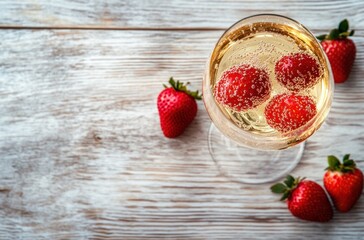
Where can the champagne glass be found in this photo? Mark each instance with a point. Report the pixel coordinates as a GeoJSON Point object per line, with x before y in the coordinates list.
{"type": "Point", "coordinates": [244, 146]}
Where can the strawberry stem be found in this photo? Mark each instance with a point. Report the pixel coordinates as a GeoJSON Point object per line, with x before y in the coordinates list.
{"type": "Point", "coordinates": [341, 32]}
{"type": "Point", "coordinates": [180, 86]}
{"type": "Point", "coordinates": [335, 165]}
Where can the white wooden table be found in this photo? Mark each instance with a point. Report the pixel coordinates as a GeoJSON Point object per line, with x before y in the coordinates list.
{"type": "Point", "coordinates": [81, 152]}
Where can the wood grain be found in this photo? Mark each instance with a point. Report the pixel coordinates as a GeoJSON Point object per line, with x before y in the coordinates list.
{"type": "Point", "coordinates": [82, 155]}
{"type": "Point", "coordinates": [144, 14]}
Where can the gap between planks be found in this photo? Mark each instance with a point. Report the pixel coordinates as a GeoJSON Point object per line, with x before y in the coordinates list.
{"type": "Point", "coordinates": [15, 27]}
{"type": "Point", "coordinates": [111, 28]}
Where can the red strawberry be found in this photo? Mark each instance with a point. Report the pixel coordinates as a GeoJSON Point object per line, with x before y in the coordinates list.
{"type": "Point", "coordinates": [286, 112]}
{"type": "Point", "coordinates": [343, 182]}
{"type": "Point", "coordinates": [177, 108]}
{"type": "Point", "coordinates": [305, 199]}
{"type": "Point", "coordinates": [243, 87]}
{"type": "Point", "coordinates": [340, 51]}
{"type": "Point", "coordinates": [298, 71]}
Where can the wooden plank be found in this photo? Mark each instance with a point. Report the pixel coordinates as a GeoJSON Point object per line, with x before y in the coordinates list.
{"type": "Point", "coordinates": [82, 155]}
{"type": "Point", "coordinates": [172, 14]}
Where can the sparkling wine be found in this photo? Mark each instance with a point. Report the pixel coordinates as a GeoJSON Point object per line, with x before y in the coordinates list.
{"type": "Point", "coordinates": [262, 45]}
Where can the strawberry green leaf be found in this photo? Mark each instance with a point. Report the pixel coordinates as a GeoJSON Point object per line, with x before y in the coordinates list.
{"type": "Point", "coordinates": [333, 162]}
{"type": "Point", "coordinates": [346, 157]}
{"type": "Point", "coordinates": [321, 37]}
{"type": "Point", "coordinates": [196, 95]}
{"type": "Point", "coordinates": [289, 181]}
{"type": "Point", "coordinates": [344, 35]}
{"type": "Point", "coordinates": [179, 86]}
{"type": "Point", "coordinates": [334, 34]}
{"type": "Point", "coordinates": [342, 32]}
{"type": "Point", "coordinates": [349, 163]}
{"type": "Point", "coordinates": [347, 169]}
{"type": "Point", "coordinates": [285, 195]}
{"type": "Point", "coordinates": [278, 188]}
{"type": "Point", "coordinates": [343, 26]}
{"type": "Point", "coordinates": [171, 81]}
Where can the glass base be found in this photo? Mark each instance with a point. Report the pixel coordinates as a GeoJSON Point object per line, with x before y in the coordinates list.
{"type": "Point", "coordinates": [246, 165]}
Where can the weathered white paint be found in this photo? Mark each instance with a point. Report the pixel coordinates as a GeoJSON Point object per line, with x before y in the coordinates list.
{"type": "Point", "coordinates": [82, 155]}
{"type": "Point", "coordinates": [174, 13]}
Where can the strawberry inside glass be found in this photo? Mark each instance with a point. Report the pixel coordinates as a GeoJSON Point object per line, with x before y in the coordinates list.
{"type": "Point", "coordinates": [246, 87]}
{"type": "Point", "coordinates": [268, 86]}
{"type": "Point", "coordinates": [254, 64]}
